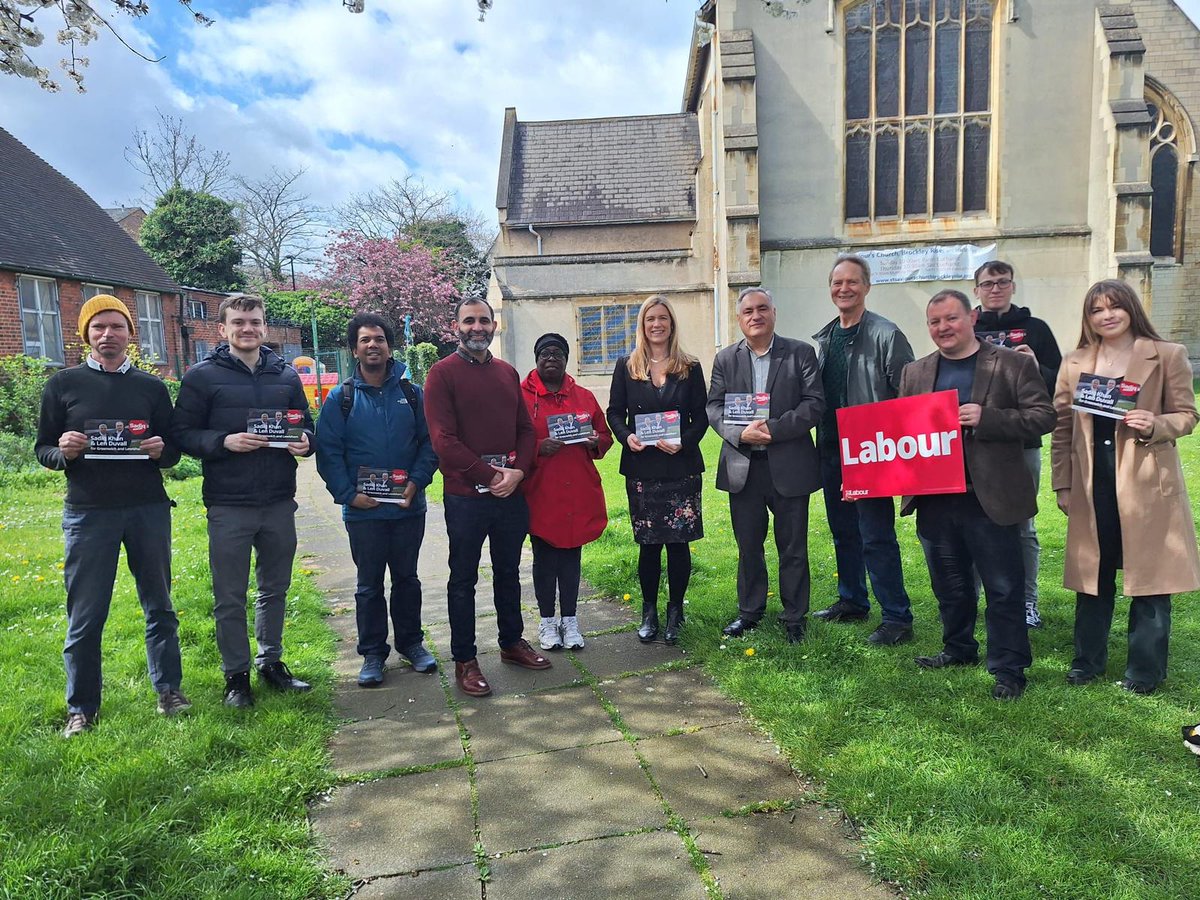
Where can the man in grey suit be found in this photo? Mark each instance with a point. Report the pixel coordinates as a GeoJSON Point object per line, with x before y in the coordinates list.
{"type": "Point", "coordinates": [1003, 405]}
{"type": "Point", "coordinates": [769, 464]}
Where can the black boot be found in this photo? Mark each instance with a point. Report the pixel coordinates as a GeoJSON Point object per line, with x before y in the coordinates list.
{"type": "Point", "coordinates": [649, 629]}
{"type": "Point", "coordinates": [674, 622]}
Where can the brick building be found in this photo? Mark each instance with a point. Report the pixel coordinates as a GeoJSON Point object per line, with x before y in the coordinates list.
{"type": "Point", "coordinates": [58, 248]}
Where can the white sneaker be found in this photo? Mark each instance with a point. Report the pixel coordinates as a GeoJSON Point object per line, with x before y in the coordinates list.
{"type": "Point", "coordinates": [548, 634]}
{"type": "Point", "coordinates": [1032, 619]}
{"type": "Point", "coordinates": [571, 637]}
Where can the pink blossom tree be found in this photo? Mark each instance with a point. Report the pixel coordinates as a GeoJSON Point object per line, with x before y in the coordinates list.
{"type": "Point", "coordinates": [394, 277]}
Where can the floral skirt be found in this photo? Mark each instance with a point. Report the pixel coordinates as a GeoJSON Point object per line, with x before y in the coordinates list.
{"type": "Point", "coordinates": [665, 511]}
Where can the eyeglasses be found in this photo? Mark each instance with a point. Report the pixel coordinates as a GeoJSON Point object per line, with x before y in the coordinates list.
{"type": "Point", "coordinates": [552, 353]}
{"type": "Point", "coordinates": [998, 284]}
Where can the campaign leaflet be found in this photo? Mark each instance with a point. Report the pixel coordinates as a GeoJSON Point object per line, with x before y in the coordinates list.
{"type": "Point", "coordinates": [280, 426]}
{"type": "Point", "coordinates": [1109, 397]}
{"type": "Point", "coordinates": [115, 438]}
{"type": "Point", "coordinates": [660, 426]}
{"type": "Point", "coordinates": [384, 485]}
{"type": "Point", "coordinates": [1010, 338]}
{"type": "Point", "coordinates": [570, 428]}
{"type": "Point", "coordinates": [500, 461]}
{"type": "Point", "coordinates": [742, 409]}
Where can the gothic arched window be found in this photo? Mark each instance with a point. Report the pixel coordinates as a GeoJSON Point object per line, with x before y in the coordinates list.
{"type": "Point", "coordinates": [918, 94]}
{"type": "Point", "coordinates": [1171, 143]}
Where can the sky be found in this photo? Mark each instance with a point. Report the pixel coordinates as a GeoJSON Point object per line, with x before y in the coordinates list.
{"type": "Point", "coordinates": [408, 87]}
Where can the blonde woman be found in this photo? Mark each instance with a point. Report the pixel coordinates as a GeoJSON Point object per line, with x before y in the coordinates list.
{"type": "Point", "coordinates": [1121, 484]}
{"type": "Point", "coordinates": [662, 479]}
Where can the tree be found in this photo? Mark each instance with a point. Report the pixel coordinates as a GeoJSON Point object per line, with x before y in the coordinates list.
{"type": "Point", "coordinates": [193, 236]}
{"type": "Point", "coordinates": [77, 23]}
{"type": "Point", "coordinates": [277, 221]}
{"type": "Point", "coordinates": [394, 277]}
{"type": "Point", "coordinates": [170, 156]}
{"type": "Point", "coordinates": [299, 306]}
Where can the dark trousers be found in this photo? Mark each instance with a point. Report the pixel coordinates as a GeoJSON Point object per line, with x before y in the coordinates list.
{"type": "Point", "coordinates": [556, 572]}
{"type": "Point", "coordinates": [376, 546]}
{"type": "Point", "coordinates": [748, 514]}
{"type": "Point", "coordinates": [1149, 632]}
{"type": "Point", "coordinates": [504, 522]}
{"type": "Point", "coordinates": [864, 542]}
{"type": "Point", "coordinates": [93, 540]}
{"type": "Point", "coordinates": [959, 540]}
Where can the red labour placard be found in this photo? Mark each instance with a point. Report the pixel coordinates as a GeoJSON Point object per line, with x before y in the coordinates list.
{"type": "Point", "coordinates": [901, 447]}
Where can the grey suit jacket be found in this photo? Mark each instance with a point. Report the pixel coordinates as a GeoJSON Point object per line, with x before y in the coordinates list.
{"type": "Point", "coordinates": [797, 404]}
{"type": "Point", "coordinates": [1016, 411]}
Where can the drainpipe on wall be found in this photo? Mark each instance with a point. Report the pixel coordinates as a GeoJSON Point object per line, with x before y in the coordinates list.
{"type": "Point", "coordinates": [716, 196]}
{"type": "Point", "coordinates": [538, 236]}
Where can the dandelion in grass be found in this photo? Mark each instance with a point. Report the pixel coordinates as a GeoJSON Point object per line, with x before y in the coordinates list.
{"type": "Point", "coordinates": [626, 597]}
{"type": "Point", "coordinates": [749, 651]}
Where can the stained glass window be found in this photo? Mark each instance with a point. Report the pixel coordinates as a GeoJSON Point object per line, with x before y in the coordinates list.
{"type": "Point", "coordinates": [918, 108]}
{"type": "Point", "coordinates": [606, 333]}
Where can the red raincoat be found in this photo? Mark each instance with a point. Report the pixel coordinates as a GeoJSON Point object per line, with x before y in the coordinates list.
{"type": "Point", "coordinates": [566, 502]}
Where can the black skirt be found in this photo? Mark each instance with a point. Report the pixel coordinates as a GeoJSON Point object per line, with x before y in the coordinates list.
{"type": "Point", "coordinates": [665, 511]}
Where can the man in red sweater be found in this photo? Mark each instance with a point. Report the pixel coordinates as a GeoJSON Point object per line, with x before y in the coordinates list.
{"type": "Point", "coordinates": [484, 440]}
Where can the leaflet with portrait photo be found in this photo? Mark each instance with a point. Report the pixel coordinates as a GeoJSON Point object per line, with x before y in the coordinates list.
{"type": "Point", "coordinates": [115, 438]}
{"type": "Point", "coordinates": [384, 485]}
{"type": "Point", "coordinates": [1010, 338]}
{"type": "Point", "coordinates": [742, 409]}
{"type": "Point", "coordinates": [660, 426]}
{"type": "Point", "coordinates": [1104, 396]}
{"type": "Point", "coordinates": [280, 426]}
{"type": "Point", "coordinates": [500, 461]}
{"type": "Point", "coordinates": [570, 427]}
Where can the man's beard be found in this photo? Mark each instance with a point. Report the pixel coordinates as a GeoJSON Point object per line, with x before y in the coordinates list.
{"type": "Point", "coordinates": [476, 343]}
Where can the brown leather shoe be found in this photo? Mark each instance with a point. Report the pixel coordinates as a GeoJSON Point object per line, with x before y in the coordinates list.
{"type": "Point", "coordinates": [521, 654]}
{"type": "Point", "coordinates": [470, 680]}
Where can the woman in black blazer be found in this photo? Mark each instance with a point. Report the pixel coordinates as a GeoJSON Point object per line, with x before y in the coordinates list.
{"type": "Point", "coordinates": [662, 479]}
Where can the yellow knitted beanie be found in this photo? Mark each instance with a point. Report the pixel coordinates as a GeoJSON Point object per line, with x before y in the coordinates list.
{"type": "Point", "coordinates": [98, 304]}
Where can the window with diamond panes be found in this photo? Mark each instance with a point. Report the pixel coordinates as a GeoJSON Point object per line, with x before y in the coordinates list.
{"type": "Point", "coordinates": [918, 108]}
{"type": "Point", "coordinates": [606, 333]}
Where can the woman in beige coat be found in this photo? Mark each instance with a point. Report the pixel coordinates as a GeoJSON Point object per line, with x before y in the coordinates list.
{"type": "Point", "coordinates": [1121, 484]}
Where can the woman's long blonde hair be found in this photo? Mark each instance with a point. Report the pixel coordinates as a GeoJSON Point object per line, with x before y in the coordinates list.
{"type": "Point", "coordinates": [1122, 296]}
{"type": "Point", "coordinates": [679, 363]}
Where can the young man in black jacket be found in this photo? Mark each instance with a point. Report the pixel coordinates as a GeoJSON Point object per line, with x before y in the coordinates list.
{"type": "Point", "coordinates": [112, 499]}
{"type": "Point", "coordinates": [249, 489]}
{"type": "Point", "coordinates": [995, 284]}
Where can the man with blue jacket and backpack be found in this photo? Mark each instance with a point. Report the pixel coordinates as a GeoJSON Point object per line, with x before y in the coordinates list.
{"type": "Point", "coordinates": [374, 454]}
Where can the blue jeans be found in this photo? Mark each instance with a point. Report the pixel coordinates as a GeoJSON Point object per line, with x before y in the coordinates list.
{"type": "Point", "coordinates": [377, 545]}
{"type": "Point", "coordinates": [864, 542]}
{"type": "Point", "coordinates": [504, 522]}
{"type": "Point", "coordinates": [93, 539]}
{"type": "Point", "coordinates": [959, 539]}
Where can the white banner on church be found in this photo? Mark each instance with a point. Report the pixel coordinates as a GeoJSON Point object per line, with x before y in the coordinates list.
{"type": "Point", "coordinates": [950, 262]}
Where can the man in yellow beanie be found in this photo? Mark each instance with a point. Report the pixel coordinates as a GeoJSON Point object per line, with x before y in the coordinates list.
{"type": "Point", "coordinates": [112, 499]}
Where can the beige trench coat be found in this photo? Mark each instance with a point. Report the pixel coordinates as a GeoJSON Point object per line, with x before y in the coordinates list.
{"type": "Point", "coordinates": [1158, 536]}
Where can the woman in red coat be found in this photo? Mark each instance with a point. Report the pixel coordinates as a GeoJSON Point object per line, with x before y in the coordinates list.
{"type": "Point", "coordinates": [566, 502]}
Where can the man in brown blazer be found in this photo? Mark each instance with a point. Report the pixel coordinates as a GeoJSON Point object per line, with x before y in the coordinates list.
{"type": "Point", "coordinates": [1003, 404]}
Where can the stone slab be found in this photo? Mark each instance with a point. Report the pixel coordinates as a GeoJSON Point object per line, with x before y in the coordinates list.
{"type": "Point", "coordinates": [662, 701]}
{"type": "Point", "coordinates": [404, 692]}
{"type": "Point", "coordinates": [636, 865]}
{"type": "Point", "coordinates": [549, 720]}
{"type": "Point", "coordinates": [598, 791]}
{"type": "Point", "coordinates": [459, 883]}
{"type": "Point", "coordinates": [602, 615]}
{"type": "Point", "coordinates": [740, 767]}
{"type": "Point", "coordinates": [397, 825]}
{"type": "Point", "coordinates": [507, 679]}
{"type": "Point", "coordinates": [744, 853]}
{"type": "Point", "coordinates": [379, 745]}
{"type": "Point", "coordinates": [609, 655]}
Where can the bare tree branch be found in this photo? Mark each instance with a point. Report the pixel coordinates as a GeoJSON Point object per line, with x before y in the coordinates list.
{"type": "Point", "coordinates": [409, 209]}
{"type": "Point", "coordinates": [171, 156]}
{"type": "Point", "coordinates": [277, 221]}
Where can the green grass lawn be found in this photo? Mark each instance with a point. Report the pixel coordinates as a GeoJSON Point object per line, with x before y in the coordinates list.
{"type": "Point", "coordinates": [1069, 792]}
{"type": "Point", "coordinates": [211, 804]}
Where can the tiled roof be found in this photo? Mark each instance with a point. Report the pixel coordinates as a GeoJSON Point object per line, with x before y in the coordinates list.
{"type": "Point", "coordinates": [120, 212]}
{"type": "Point", "coordinates": [597, 171]}
{"type": "Point", "coordinates": [48, 226]}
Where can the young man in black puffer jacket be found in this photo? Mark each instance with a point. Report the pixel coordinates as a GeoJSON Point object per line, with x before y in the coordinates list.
{"type": "Point", "coordinates": [249, 488]}
{"type": "Point", "coordinates": [995, 284]}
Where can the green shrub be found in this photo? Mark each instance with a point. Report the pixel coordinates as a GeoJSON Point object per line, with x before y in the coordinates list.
{"type": "Point", "coordinates": [187, 467]}
{"type": "Point", "coordinates": [21, 381]}
{"type": "Point", "coordinates": [420, 359]}
{"type": "Point", "coordinates": [16, 453]}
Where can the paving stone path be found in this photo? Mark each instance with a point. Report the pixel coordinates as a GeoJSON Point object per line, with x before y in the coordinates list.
{"type": "Point", "coordinates": [620, 772]}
